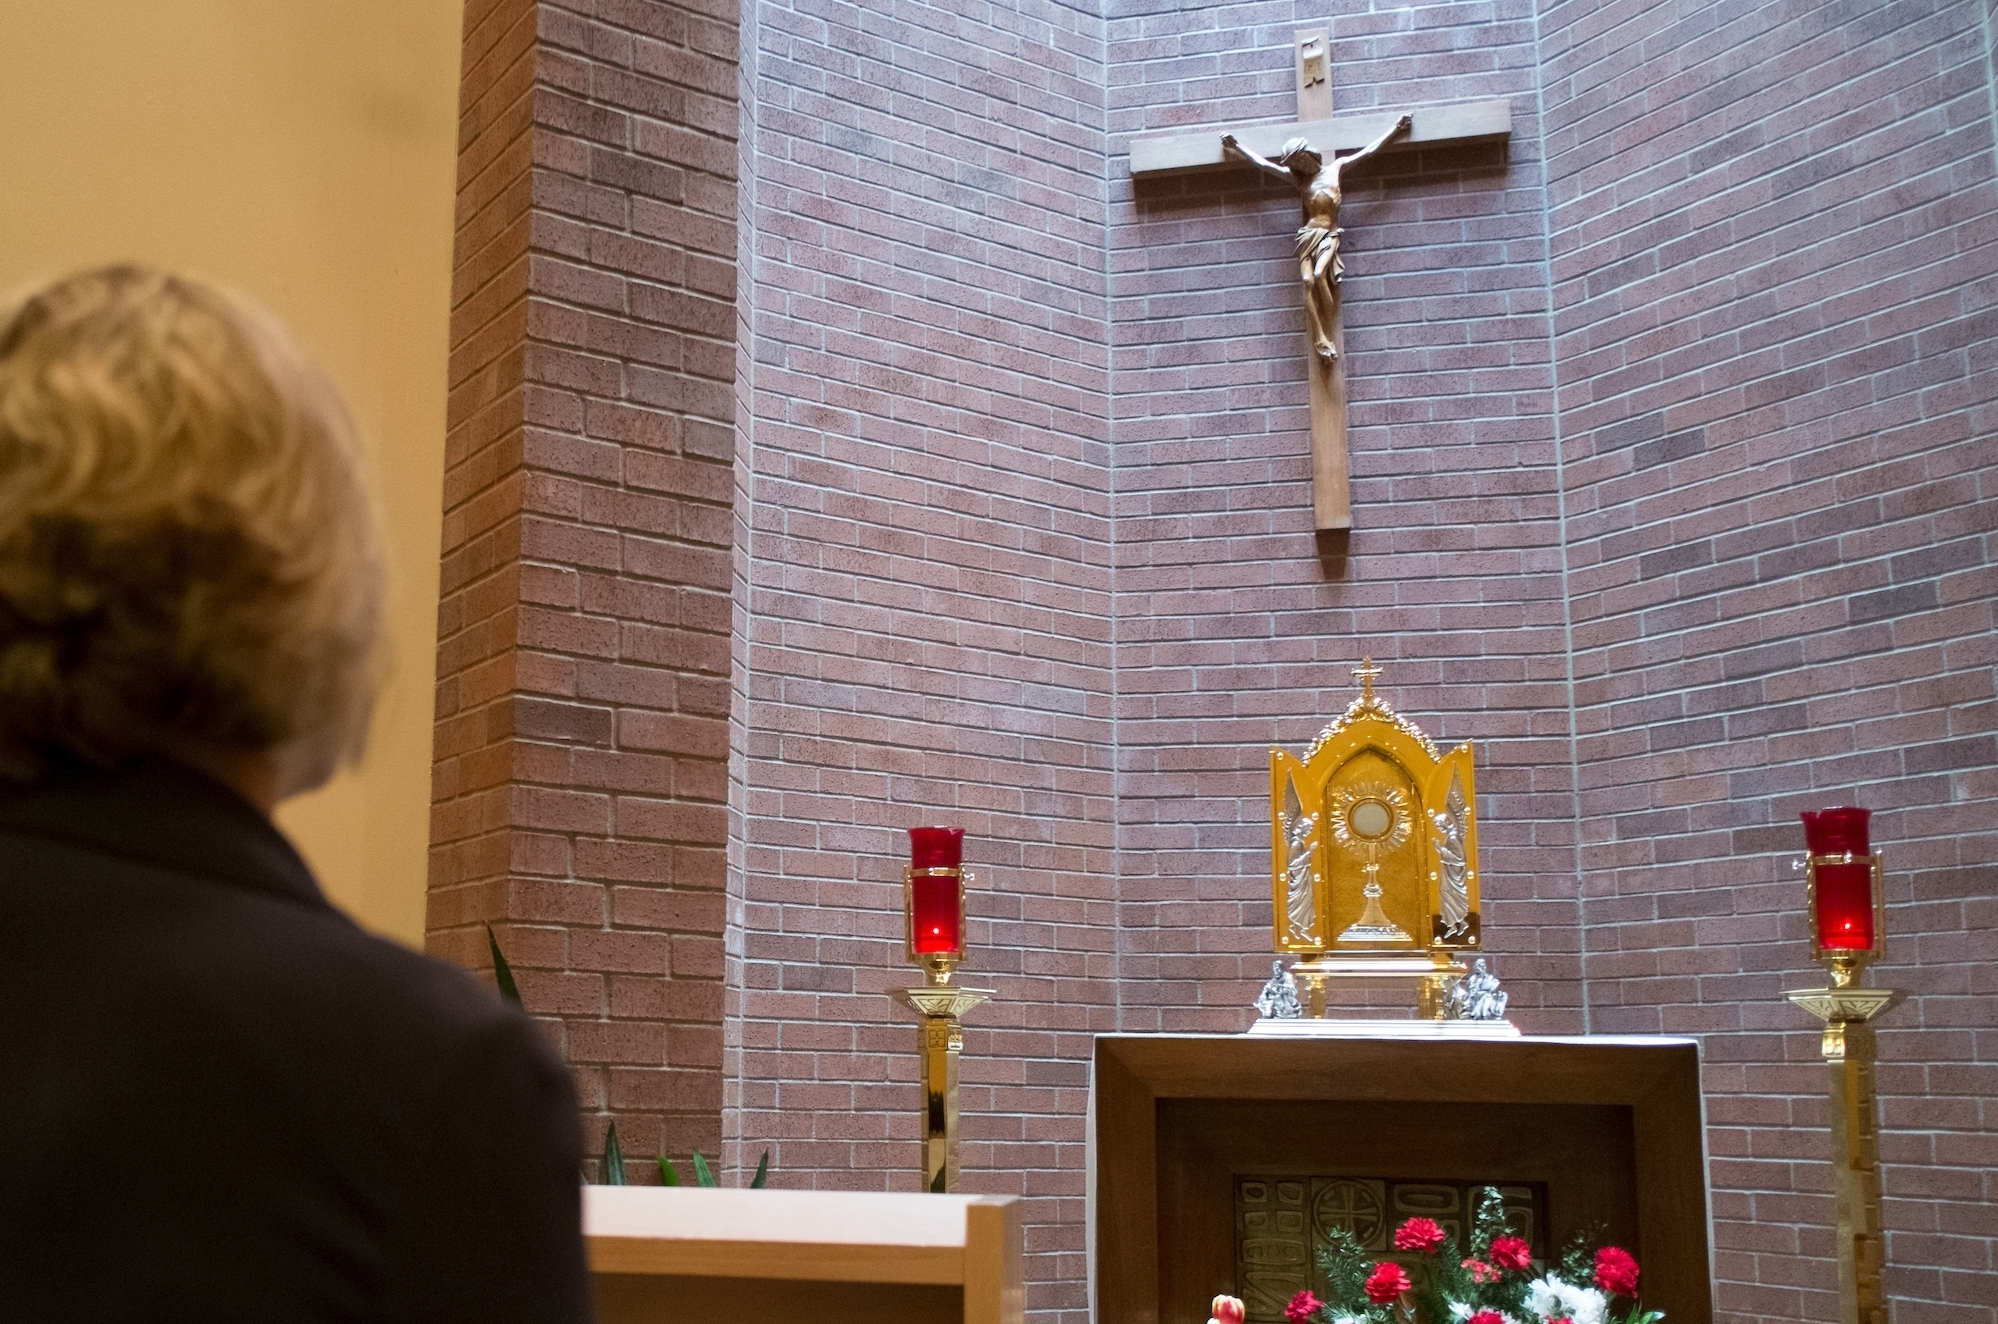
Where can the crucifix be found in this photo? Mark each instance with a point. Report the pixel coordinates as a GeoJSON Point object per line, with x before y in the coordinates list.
{"type": "Point", "coordinates": [1312, 154]}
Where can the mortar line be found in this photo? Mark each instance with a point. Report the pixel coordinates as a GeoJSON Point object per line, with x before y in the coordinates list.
{"type": "Point", "coordinates": [1561, 523]}
{"type": "Point", "coordinates": [1110, 519]}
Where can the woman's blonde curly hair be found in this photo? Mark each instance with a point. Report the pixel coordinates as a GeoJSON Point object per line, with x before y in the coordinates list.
{"type": "Point", "coordinates": [190, 555]}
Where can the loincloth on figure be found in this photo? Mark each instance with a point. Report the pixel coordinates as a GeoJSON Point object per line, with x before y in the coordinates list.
{"type": "Point", "coordinates": [1315, 240]}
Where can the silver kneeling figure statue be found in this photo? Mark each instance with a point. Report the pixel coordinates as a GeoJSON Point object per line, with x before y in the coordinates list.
{"type": "Point", "coordinates": [1278, 1000]}
{"type": "Point", "coordinates": [1477, 996]}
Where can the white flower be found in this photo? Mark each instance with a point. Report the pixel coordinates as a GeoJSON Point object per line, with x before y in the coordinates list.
{"type": "Point", "coordinates": [1550, 1298]}
{"type": "Point", "coordinates": [1461, 1309]}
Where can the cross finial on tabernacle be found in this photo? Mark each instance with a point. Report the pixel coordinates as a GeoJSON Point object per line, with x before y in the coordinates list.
{"type": "Point", "coordinates": [1365, 673]}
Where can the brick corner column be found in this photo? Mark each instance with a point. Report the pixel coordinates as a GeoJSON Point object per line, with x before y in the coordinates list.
{"type": "Point", "coordinates": [580, 768]}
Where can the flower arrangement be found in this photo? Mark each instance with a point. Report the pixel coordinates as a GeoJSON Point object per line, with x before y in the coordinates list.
{"type": "Point", "coordinates": [1493, 1283]}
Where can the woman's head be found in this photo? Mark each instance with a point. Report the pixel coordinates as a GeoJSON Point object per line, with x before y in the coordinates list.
{"type": "Point", "coordinates": [189, 552]}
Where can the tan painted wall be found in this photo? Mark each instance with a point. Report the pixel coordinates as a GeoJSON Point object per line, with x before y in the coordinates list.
{"type": "Point", "coordinates": [302, 150]}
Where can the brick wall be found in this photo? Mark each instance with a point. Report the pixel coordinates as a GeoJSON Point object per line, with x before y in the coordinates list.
{"type": "Point", "coordinates": [925, 629]}
{"type": "Point", "coordinates": [583, 657]}
{"type": "Point", "coordinates": [1772, 255]}
{"type": "Point", "coordinates": [1672, 472]}
{"type": "Point", "coordinates": [1238, 627]}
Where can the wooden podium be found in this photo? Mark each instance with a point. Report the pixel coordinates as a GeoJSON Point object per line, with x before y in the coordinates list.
{"type": "Point", "coordinates": [1609, 1131]}
{"type": "Point", "coordinates": [664, 1254]}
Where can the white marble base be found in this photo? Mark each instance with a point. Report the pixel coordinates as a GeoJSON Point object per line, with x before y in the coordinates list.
{"type": "Point", "coordinates": [1349, 1028]}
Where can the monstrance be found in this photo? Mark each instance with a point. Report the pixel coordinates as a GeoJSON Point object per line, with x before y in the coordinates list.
{"type": "Point", "coordinates": [1374, 846]}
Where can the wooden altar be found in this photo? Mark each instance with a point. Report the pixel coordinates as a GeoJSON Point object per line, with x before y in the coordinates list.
{"type": "Point", "coordinates": [660, 1254]}
{"type": "Point", "coordinates": [1609, 1129]}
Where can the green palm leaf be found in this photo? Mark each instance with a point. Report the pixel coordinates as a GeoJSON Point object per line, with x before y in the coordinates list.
{"type": "Point", "coordinates": [613, 1158]}
{"type": "Point", "coordinates": [668, 1174]}
{"type": "Point", "coordinates": [502, 972]}
{"type": "Point", "coordinates": [762, 1172]}
{"type": "Point", "coordinates": [703, 1174]}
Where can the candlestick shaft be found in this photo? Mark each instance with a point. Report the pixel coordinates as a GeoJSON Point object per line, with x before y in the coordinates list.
{"type": "Point", "coordinates": [1856, 1172]}
{"type": "Point", "coordinates": [1848, 1052]}
{"type": "Point", "coordinates": [943, 1040]}
{"type": "Point", "coordinates": [942, 1043]}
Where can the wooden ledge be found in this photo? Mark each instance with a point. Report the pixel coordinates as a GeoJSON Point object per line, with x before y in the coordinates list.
{"type": "Point", "coordinates": [824, 1236]}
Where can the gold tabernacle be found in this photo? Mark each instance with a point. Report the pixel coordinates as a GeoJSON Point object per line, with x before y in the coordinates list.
{"type": "Point", "coordinates": [1374, 848]}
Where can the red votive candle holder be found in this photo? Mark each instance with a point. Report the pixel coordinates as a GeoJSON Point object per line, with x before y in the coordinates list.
{"type": "Point", "coordinates": [942, 847]}
{"type": "Point", "coordinates": [1845, 906]}
{"type": "Point", "coordinates": [1840, 831]}
{"type": "Point", "coordinates": [936, 891]}
{"type": "Point", "coordinates": [1844, 891]}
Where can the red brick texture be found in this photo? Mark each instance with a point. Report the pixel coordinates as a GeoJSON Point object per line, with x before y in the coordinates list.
{"type": "Point", "coordinates": [1673, 485]}
{"type": "Point", "coordinates": [1771, 235]}
{"type": "Point", "coordinates": [925, 623]}
{"type": "Point", "coordinates": [582, 712]}
{"type": "Point", "coordinates": [1238, 628]}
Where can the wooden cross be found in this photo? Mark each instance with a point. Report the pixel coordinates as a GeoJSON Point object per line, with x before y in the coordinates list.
{"type": "Point", "coordinates": [1476, 121]}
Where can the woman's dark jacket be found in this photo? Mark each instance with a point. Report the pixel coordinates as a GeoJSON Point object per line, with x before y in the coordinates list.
{"type": "Point", "coordinates": [221, 1101]}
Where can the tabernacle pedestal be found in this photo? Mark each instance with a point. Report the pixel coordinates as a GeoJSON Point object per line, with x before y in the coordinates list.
{"type": "Point", "coordinates": [1196, 1139]}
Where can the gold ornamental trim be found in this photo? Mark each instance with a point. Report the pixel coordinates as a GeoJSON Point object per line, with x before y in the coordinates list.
{"type": "Point", "coordinates": [941, 1002]}
{"type": "Point", "coordinates": [1371, 705]}
{"type": "Point", "coordinates": [1851, 1005]}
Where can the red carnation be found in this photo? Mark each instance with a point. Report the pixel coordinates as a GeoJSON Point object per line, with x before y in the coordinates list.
{"type": "Point", "coordinates": [1387, 1282]}
{"type": "Point", "coordinates": [1512, 1253]}
{"type": "Point", "coordinates": [1486, 1317]}
{"type": "Point", "coordinates": [1616, 1271]}
{"type": "Point", "coordinates": [1302, 1307]}
{"type": "Point", "coordinates": [1420, 1234]}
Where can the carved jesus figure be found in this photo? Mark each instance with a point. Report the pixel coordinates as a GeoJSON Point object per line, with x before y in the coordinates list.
{"type": "Point", "coordinates": [1317, 182]}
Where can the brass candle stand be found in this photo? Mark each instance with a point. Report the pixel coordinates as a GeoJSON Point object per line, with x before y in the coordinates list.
{"type": "Point", "coordinates": [1847, 1011]}
{"type": "Point", "coordinates": [941, 1005]}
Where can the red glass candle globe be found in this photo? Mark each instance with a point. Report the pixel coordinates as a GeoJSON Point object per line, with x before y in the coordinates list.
{"type": "Point", "coordinates": [936, 847]}
{"type": "Point", "coordinates": [1845, 903]}
{"type": "Point", "coordinates": [936, 901]}
{"type": "Point", "coordinates": [1840, 831]}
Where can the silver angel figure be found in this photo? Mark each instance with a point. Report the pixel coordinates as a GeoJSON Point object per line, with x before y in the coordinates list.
{"type": "Point", "coordinates": [1278, 1000]}
{"type": "Point", "coordinates": [1301, 893]}
{"type": "Point", "coordinates": [1455, 892]}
